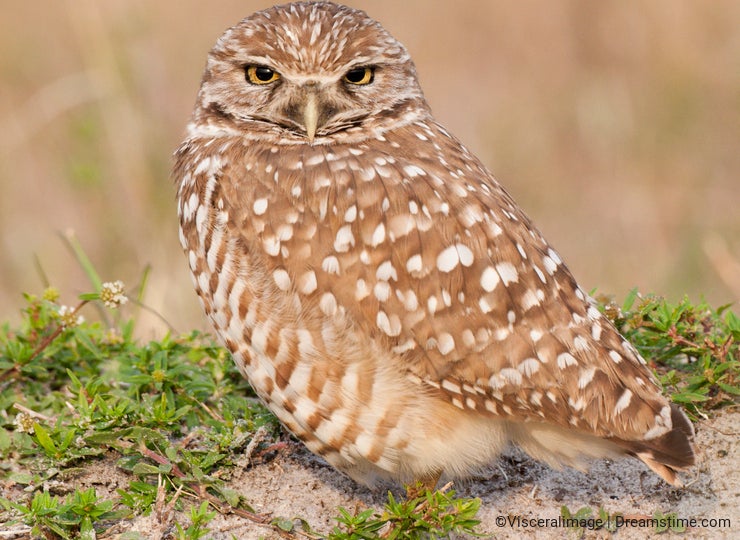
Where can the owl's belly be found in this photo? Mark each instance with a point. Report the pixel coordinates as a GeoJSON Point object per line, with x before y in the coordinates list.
{"type": "Point", "coordinates": [333, 404]}
{"type": "Point", "coordinates": [347, 403]}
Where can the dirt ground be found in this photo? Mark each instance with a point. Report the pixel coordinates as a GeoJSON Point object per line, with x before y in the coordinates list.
{"type": "Point", "coordinates": [298, 484]}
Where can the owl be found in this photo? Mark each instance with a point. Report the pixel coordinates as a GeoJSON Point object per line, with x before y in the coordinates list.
{"type": "Point", "coordinates": [380, 290]}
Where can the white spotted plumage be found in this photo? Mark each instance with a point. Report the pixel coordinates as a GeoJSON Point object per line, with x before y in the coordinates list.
{"type": "Point", "coordinates": [384, 295]}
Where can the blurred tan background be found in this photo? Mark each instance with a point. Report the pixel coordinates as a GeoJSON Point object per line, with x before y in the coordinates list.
{"type": "Point", "coordinates": [616, 125]}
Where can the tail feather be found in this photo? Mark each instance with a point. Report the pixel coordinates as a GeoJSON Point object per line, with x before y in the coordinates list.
{"type": "Point", "coordinates": [669, 453]}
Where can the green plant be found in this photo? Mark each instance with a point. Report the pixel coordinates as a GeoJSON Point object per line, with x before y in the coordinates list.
{"type": "Point", "coordinates": [73, 517]}
{"type": "Point", "coordinates": [199, 518]}
{"type": "Point", "coordinates": [432, 515]}
{"type": "Point", "coordinates": [693, 347]}
{"type": "Point", "coordinates": [76, 390]}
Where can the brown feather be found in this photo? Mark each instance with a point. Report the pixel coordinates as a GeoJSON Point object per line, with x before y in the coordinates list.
{"type": "Point", "coordinates": [383, 293]}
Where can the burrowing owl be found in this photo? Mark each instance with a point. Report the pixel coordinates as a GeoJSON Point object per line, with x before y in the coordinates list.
{"type": "Point", "coordinates": [383, 294]}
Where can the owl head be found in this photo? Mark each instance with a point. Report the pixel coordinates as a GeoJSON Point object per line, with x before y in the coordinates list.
{"type": "Point", "coordinates": [308, 73]}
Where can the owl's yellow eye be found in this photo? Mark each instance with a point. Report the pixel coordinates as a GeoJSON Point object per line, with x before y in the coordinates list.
{"type": "Point", "coordinates": [261, 75]}
{"type": "Point", "coordinates": [359, 76]}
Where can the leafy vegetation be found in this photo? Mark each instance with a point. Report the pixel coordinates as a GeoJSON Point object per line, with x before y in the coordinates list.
{"type": "Point", "coordinates": [693, 347]}
{"type": "Point", "coordinates": [432, 515]}
{"type": "Point", "coordinates": [177, 417]}
{"type": "Point", "coordinates": [174, 409]}
{"type": "Point", "coordinates": [174, 413]}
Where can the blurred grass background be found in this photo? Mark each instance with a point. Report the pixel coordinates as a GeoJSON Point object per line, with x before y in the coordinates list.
{"type": "Point", "coordinates": [616, 125]}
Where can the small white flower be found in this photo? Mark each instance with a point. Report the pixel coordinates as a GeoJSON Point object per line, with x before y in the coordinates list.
{"type": "Point", "coordinates": [112, 294]}
{"type": "Point", "coordinates": [23, 422]}
{"type": "Point", "coordinates": [68, 317]}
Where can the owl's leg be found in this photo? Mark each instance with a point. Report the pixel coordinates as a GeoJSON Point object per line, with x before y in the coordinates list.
{"type": "Point", "coordinates": [424, 483]}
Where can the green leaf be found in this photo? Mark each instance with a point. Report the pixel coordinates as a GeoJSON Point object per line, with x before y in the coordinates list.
{"type": "Point", "coordinates": [112, 438]}
{"type": "Point", "coordinates": [689, 397]}
{"type": "Point", "coordinates": [734, 390]}
{"type": "Point", "coordinates": [284, 524]}
{"type": "Point", "coordinates": [143, 469]}
{"type": "Point", "coordinates": [43, 438]}
{"type": "Point", "coordinates": [629, 300]}
{"type": "Point", "coordinates": [83, 338]}
{"type": "Point", "coordinates": [87, 532]}
{"type": "Point", "coordinates": [231, 496]}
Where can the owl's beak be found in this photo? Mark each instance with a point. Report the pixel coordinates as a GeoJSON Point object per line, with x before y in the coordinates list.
{"type": "Point", "coordinates": [311, 115]}
{"type": "Point", "coordinates": [311, 108]}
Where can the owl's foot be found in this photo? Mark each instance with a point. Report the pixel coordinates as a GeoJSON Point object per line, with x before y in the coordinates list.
{"type": "Point", "coordinates": [423, 484]}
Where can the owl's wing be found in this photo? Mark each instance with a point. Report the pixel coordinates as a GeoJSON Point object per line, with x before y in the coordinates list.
{"type": "Point", "coordinates": [428, 256]}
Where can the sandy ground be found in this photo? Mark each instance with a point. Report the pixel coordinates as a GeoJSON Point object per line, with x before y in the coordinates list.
{"type": "Point", "coordinates": [298, 484]}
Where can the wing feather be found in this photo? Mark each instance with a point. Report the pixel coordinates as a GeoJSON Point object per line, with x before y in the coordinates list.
{"type": "Point", "coordinates": [436, 264]}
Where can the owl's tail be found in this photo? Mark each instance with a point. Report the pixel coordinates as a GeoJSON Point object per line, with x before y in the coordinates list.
{"type": "Point", "coordinates": [669, 453]}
